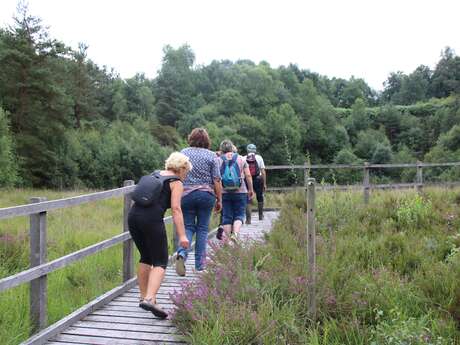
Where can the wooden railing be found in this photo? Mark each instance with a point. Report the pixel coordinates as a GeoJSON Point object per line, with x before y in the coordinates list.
{"type": "Point", "coordinates": [366, 186]}
{"type": "Point", "coordinates": [39, 267]}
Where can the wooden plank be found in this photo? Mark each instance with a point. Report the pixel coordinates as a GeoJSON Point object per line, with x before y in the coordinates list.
{"type": "Point", "coordinates": [25, 210]}
{"type": "Point", "coordinates": [122, 334]}
{"type": "Point", "coordinates": [125, 327]}
{"type": "Point", "coordinates": [136, 299]}
{"type": "Point", "coordinates": [164, 289]}
{"type": "Point", "coordinates": [366, 185]}
{"type": "Point", "coordinates": [38, 295]}
{"type": "Point", "coordinates": [136, 303]}
{"type": "Point", "coordinates": [128, 246]}
{"type": "Point", "coordinates": [161, 294]}
{"type": "Point", "coordinates": [62, 343]}
{"type": "Point", "coordinates": [164, 283]}
{"type": "Point", "coordinates": [311, 250]}
{"type": "Point", "coordinates": [41, 270]}
{"type": "Point", "coordinates": [134, 309]}
{"type": "Point", "coordinates": [114, 313]}
{"type": "Point", "coordinates": [110, 341]}
{"type": "Point", "coordinates": [57, 327]}
{"type": "Point", "coordinates": [129, 320]}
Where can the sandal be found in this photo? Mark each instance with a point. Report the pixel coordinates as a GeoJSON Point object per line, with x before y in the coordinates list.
{"type": "Point", "coordinates": [147, 304]}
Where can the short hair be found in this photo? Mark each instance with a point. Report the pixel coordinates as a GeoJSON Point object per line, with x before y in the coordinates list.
{"type": "Point", "coordinates": [177, 161]}
{"type": "Point", "coordinates": [226, 146]}
{"type": "Point", "coordinates": [199, 137]}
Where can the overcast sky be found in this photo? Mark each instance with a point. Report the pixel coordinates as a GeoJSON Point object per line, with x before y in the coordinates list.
{"type": "Point", "coordinates": [365, 38]}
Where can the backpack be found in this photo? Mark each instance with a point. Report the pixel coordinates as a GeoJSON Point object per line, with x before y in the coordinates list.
{"type": "Point", "coordinates": [149, 187]}
{"type": "Point", "coordinates": [253, 165]}
{"type": "Point", "coordinates": [230, 173]}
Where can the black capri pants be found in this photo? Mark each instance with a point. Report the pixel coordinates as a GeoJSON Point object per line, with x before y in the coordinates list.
{"type": "Point", "coordinates": [150, 239]}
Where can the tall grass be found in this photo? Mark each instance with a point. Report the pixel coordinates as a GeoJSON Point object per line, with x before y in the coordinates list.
{"type": "Point", "coordinates": [388, 273]}
{"type": "Point", "coordinates": [68, 230]}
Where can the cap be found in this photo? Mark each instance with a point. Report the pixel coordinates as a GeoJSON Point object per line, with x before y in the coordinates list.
{"type": "Point", "coordinates": [251, 148]}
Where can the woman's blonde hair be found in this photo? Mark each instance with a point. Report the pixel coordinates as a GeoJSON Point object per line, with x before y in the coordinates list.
{"type": "Point", "coordinates": [177, 161]}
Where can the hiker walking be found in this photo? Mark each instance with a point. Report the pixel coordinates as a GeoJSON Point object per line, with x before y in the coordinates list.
{"type": "Point", "coordinates": [153, 195]}
{"type": "Point", "coordinates": [202, 193]}
{"type": "Point", "coordinates": [233, 170]}
{"type": "Point", "coordinates": [259, 179]}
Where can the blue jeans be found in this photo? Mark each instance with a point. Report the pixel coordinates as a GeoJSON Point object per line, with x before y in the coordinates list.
{"type": "Point", "coordinates": [233, 207]}
{"type": "Point", "coordinates": [197, 207]}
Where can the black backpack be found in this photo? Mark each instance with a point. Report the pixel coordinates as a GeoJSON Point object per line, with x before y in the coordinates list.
{"type": "Point", "coordinates": [149, 187]}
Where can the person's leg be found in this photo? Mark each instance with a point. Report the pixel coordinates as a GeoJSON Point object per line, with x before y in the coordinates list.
{"type": "Point", "coordinates": [227, 213]}
{"type": "Point", "coordinates": [248, 211]}
{"type": "Point", "coordinates": [189, 212]}
{"type": "Point", "coordinates": [205, 204]}
{"type": "Point", "coordinates": [158, 245]}
{"type": "Point", "coordinates": [156, 276]}
{"type": "Point", "coordinates": [145, 263]}
{"type": "Point", "coordinates": [258, 188]}
{"type": "Point", "coordinates": [239, 210]}
{"type": "Point", "coordinates": [220, 228]}
{"type": "Point", "coordinates": [143, 271]}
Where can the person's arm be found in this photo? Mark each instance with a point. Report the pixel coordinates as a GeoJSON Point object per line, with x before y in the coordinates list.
{"type": "Point", "coordinates": [178, 219]}
{"type": "Point", "coordinates": [248, 176]}
{"type": "Point", "coordinates": [218, 191]}
{"type": "Point", "coordinates": [215, 173]}
{"type": "Point", "coordinates": [262, 171]}
{"type": "Point", "coordinates": [264, 179]}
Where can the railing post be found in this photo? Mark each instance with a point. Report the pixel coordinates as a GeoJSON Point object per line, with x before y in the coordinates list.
{"type": "Point", "coordinates": [311, 249]}
{"type": "Point", "coordinates": [419, 176]}
{"type": "Point", "coordinates": [128, 254]}
{"type": "Point", "coordinates": [366, 186]}
{"type": "Point", "coordinates": [306, 174]}
{"type": "Point", "coordinates": [38, 287]}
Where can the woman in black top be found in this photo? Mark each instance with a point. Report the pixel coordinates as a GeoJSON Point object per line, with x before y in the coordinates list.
{"type": "Point", "coordinates": [148, 231]}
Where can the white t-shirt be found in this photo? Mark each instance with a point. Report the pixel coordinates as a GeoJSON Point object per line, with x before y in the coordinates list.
{"type": "Point", "coordinates": [260, 162]}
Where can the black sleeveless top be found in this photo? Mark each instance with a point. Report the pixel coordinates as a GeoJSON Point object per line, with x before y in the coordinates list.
{"type": "Point", "coordinates": [156, 211]}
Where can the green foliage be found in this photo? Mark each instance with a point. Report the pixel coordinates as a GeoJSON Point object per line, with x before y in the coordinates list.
{"type": "Point", "coordinates": [8, 162]}
{"type": "Point", "coordinates": [50, 91]}
{"type": "Point", "coordinates": [122, 152]}
{"type": "Point", "coordinates": [386, 274]}
{"type": "Point", "coordinates": [368, 142]}
{"type": "Point", "coordinates": [412, 211]}
{"type": "Point", "coordinates": [400, 330]}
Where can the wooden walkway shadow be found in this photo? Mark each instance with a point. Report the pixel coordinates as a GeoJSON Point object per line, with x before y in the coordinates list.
{"type": "Point", "coordinates": [122, 322]}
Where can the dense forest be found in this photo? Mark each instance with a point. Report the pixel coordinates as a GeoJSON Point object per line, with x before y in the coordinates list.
{"type": "Point", "coordinates": [67, 122]}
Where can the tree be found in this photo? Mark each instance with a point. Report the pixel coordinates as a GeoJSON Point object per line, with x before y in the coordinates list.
{"type": "Point", "coordinates": [34, 94]}
{"type": "Point", "coordinates": [175, 85]}
{"type": "Point", "coordinates": [368, 141]}
{"type": "Point", "coordinates": [446, 76]}
{"type": "Point", "coordinates": [392, 86]}
{"type": "Point", "coordinates": [82, 87]}
{"type": "Point", "coordinates": [8, 161]}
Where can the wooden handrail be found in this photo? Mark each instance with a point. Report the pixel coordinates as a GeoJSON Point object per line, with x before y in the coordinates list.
{"type": "Point", "coordinates": [44, 269]}
{"type": "Point", "coordinates": [37, 274]}
{"type": "Point", "coordinates": [360, 166]}
{"type": "Point", "coordinates": [44, 206]}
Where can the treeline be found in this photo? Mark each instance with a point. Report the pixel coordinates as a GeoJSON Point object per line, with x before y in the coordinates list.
{"type": "Point", "coordinates": [66, 122]}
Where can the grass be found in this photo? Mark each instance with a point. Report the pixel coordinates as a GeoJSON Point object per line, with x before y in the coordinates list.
{"type": "Point", "coordinates": [68, 230]}
{"type": "Point", "coordinates": [388, 273]}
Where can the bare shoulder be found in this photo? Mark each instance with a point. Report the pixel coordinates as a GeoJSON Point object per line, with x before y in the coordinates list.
{"type": "Point", "coordinates": [175, 184]}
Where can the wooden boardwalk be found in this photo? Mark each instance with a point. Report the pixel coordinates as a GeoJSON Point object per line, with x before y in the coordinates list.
{"type": "Point", "coordinates": [122, 322]}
